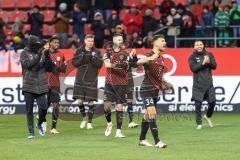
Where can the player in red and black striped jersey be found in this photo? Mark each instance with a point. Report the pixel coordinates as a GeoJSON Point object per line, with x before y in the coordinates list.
{"type": "Point", "coordinates": [58, 59]}
{"type": "Point", "coordinates": [153, 83]}
{"type": "Point", "coordinates": [116, 62]}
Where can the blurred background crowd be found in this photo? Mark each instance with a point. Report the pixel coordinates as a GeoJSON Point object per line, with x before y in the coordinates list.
{"type": "Point", "coordinates": [181, 21]}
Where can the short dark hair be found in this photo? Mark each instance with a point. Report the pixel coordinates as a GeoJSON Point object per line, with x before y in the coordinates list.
{"type": "Point", "coordinates": [53, 38]}
{"type": "Point", "coordinates": [156, 37]}
{"type": "Point", "coordinates": [117, 34]}
{"type": "Point", "coordinates": [198, 40]}
{"type": "Point", "coordinates": [89, 36]}
{"type": "Point", "coordinates": [36, 6]}
{"type": "Point", "coordinates": [206, 7]}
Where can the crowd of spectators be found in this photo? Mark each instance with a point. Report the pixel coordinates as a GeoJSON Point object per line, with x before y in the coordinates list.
{"type": "Point", "coordinates": [137, 22]}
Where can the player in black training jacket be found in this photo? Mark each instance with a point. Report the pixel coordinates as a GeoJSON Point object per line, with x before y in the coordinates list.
{"type": "Point", "coordinates": [201, 64]}
{"type": "Point", "coordinates": [88, 62]}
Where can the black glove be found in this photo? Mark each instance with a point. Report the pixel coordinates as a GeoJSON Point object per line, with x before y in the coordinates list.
{"type": "Point", "coordinates": [133, 61]}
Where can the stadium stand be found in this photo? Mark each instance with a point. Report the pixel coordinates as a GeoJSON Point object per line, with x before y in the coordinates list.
{"type": "Point", "coordinates": [8, 4]}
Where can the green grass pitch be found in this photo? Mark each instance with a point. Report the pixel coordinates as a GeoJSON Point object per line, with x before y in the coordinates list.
{"type": "Point", "coordinates": [184, 142]}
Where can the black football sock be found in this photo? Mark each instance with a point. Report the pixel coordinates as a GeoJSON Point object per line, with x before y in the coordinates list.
{"type": "Point", "coordinates": [154, 130]}
{"type": "Point", "coordinates": [211, 109]}
{"type": "Point", "coordinates": [90, 113]}
{"type": "Point", "coordinates": [119, 119]}
{"type": "Point", "coordinates": [108, 116]}
{"type": "Point", "coordinates": [144, 129]}
{"type": "Point", "coordinates": [82, 110]}
{"type": "Point", "coordinates": [130, 112]}
{"type": "Point", "coordinates": [55, 114]}
{"type": "Point", "coordinates": [42, 115]}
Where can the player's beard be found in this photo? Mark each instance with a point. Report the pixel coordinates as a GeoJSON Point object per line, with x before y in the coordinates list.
{"type": "Point", "coordinates": [118, 46]}
{"type": "Point", "coordinates": [161, 50]}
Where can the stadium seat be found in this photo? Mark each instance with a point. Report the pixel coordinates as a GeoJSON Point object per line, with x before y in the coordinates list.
{"type": "Point", "coordinates": [51, 3]}
{"type": "Point", "coordinates": [7, 4]}
{"type": "Point", "coordinates": [128, 3]}
{"type": "Point", "coordinates": [45, 30]}
{"type": "Point", "coordinates": [24, 4]}
{"type": "Point", "coordinates": [48, 15]}
{"type": "Point", "coordinates": [18, 13]}
{"type": "Point", "coordinates": [4, 15]}
{"type": "Point", "coordinates": [87, 29]}
{"type": "Point", "coordinates": [51, 29]}
{"type": "Point", "coordinates": [40, 3]}
{"type": "Point", "coordinates": [26, 27]}
{"type": "Point", "coordinates": [159, 2]}
{"type": "Point", "coordinates": [181, 1]}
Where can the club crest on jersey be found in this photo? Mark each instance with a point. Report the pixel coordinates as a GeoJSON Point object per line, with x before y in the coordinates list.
{"type": "Point", "coordinates": [58, 58]}
{"type": "Point", "coordinates": [121, 57]}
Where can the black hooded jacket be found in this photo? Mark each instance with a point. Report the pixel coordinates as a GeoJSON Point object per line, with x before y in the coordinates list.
{"type": "Point", "coordinates": [34, 63]}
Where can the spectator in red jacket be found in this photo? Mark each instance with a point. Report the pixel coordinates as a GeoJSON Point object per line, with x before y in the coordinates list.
{"type": "Point", "coordinates": [133, 20]}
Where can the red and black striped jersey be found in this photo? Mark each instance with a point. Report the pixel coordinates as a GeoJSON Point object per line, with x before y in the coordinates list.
{"type": "Point", "coordinates": [116, 76]}
{"type": "Point", "coordinates": [154, 72]}
{"type": "Point", "coordinates": [53, 77]}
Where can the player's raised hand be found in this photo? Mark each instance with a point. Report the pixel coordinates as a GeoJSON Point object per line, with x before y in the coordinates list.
{"type": "Point", "coordinates": [132, 53]}
{"type": "Point", "coordinates": [46, 46]}
{"type": "Point", "coordinates": [206, 60]}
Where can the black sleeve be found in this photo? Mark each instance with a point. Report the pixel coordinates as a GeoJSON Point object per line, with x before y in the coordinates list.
{"type": "Point", "coordinates": [49, 65]}
{"type": "Point", "coordinates": [27, 62]}
{"type": "Point", "coordinates": [93, 26]}
{"type": "Point", "coordinates": [97, 59]}
{"type": "Point", "coordinates": [39, 18]}
{"type": "Point", "coordinates": [213, 64]}
{"type": "Point", "coordinates": [63, 66]}
{"type": "Point", "coordinates": [133, 61]}
{"type": "Point", "coordinates": [106, 55]}
{"type": "Point", "coordinates": [77, 58]}
{"type": "Point", "coordinates": [195, 66]}
{"type": "Point", "coordinates": [80, 59]}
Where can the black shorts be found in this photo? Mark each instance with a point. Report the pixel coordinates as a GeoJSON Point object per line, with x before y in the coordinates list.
{"type": "Point", "coordinates": [148, 102]}
{"type": "Point", "coordinates": [148, 92]}
{"type": "Point", "coordinates": [85, 93]}
{"type": "Point", "coordinates": [53, 96]}
{"type": "Point", "coordinates": [115, 94]}
{"type": "Point", "coordinates": [130, 92]}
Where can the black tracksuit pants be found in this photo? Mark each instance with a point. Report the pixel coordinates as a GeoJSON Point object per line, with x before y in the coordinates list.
{"type": "Point", "coordinates": [42, 108]}
{"type": "Point", "coordinates": [198, 106]}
